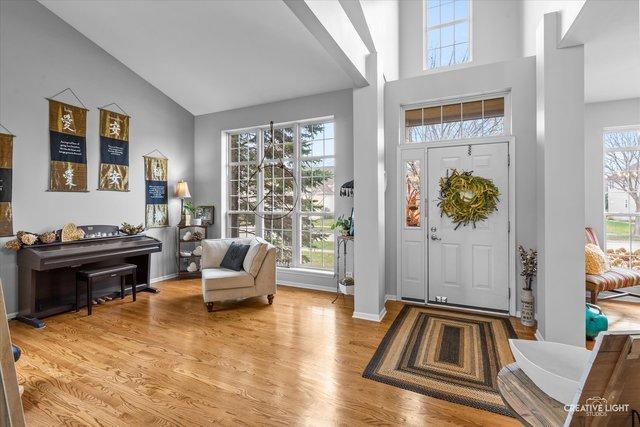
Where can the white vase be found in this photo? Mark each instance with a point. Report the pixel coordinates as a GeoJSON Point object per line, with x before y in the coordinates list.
{"type": "Point", "coordinates": [527, 309]}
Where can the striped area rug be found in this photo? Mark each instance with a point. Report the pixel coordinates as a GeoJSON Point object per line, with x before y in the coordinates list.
{"type": "Point", "coordinates": [447, 355]}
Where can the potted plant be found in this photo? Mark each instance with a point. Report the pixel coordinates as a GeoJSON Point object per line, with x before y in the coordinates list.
{"type": "Point", "coordinates": [529, 260]}
{"type": "Point", "coordinates": [189, 210]}
{"type": "Point", "coordinates": [343, 224]}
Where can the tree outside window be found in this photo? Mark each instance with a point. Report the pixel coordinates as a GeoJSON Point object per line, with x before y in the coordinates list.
{"type": "Point", "coordinates": [622, 196]}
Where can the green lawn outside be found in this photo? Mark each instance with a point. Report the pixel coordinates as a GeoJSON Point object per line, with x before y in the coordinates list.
{"type": "Point", "coordinates": [617, 229]}
{"type": "Point", "coordinates": [316, 258]}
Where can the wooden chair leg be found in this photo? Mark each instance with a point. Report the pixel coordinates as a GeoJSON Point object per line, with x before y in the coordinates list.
{"type": "Point", "coordinates": [89, 297]}
{"type": "Point", "coordinates": [270, 298]}
{"type": "Point", "coordinates": [133, 285]}
{"type": "Point", "coordinates": [209, 307]}
{"type": "Point", "coordinates": [77, 295]}
{"type": "Point", "coordinates": [594, 297]}
{"type": "Point", "coordinates": [122, 283]}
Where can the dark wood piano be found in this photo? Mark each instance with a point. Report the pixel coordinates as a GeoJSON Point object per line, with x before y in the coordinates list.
{"type": "Point", "coordinates": [47, 273]}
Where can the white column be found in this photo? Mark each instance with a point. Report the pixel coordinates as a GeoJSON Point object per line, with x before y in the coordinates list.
{"type": "Point", "coordinates": [368, 171]}
{"type": "Point", "coordinates": [560, 186]}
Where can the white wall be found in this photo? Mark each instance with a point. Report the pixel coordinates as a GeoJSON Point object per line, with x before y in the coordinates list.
{"type": "Point", "coordinates": [517, 75]}
{"type": "Point", "coordinates": [496, 34]}
{"type": "Point", "coordinates": [209, 148]}
{"type": "Point", "coordinates": [600, 115]}
{"type": "Point", "coordinates": [383, 20]}
{"type": "Point", "coordinates": [534, 10]}
{"type": "Point", "coordinates": [560, 186]}
{"type": "Point", "coordinates": [41, 55]}
{"type": "Point", "coordinates": [368, 136]}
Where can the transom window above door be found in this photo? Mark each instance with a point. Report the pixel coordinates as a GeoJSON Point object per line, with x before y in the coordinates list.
{"type": "Point", "coordinates": [447, 33]}
{"type": "Point", "coordinates": [460, 120]}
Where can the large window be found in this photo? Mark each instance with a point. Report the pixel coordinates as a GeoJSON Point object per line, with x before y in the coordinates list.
{"type": "Point", "coordinates": [281, 187]}
{"type": "Point", "coordinates": [622, 196]}
{"type": "Point", "coordinates": [460, 120]}
{"type": "Point", "coordinates": [447, 29]}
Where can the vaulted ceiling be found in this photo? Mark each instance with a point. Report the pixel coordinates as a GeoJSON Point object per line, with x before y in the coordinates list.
{"type": "Point", "coordinates": [209, 56]}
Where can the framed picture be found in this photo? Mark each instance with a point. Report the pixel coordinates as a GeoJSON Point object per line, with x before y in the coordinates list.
{"type": "Point", "coordinates": [205, 213]}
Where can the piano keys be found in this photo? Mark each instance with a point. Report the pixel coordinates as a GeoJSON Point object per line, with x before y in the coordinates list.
{"type": "Point", "coordinates": [47, 273]}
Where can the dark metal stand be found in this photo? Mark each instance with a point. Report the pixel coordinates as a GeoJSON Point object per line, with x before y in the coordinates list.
{"type": "Point", "coordinates": [344, 240]}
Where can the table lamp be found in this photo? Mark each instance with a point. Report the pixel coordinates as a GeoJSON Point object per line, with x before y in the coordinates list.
{"type": "Point", "coordinates": [182, 192]}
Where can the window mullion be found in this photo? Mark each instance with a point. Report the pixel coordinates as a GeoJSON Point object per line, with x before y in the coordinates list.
{"type": "Point", "coordinates": [260, 185]}
{"type": "Point", "coordinates": [296, 237]}
{"type": "Point", "coordinates": [447, 24]}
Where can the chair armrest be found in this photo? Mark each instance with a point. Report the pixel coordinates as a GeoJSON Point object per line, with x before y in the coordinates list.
{"type": "Point", "coordinates": [266, 278]}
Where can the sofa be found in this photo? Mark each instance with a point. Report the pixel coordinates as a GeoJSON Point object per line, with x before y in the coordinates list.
{"type": "Point", "coordinates": [256, 278]}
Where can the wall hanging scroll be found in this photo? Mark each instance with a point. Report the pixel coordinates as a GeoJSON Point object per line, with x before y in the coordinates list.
{"type": "Point", "coordinates": [155, 176]}
{"type": "Point", "coordinates": [114, 151]}
{"type": "Point", "coordinates": [68, 146]}
{"type": "Point", "coordinates": [6, 172]}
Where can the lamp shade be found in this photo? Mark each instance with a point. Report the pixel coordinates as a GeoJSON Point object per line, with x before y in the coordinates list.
{"type": "Point", "coordinates": [182, 190]}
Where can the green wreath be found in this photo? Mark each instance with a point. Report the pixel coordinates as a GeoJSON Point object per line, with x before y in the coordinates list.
{"type": "Point", "coordinates": [466, 198]}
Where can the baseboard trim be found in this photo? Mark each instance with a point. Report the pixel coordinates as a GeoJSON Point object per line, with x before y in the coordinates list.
{"type": "Point", "coordinates": [12, 315]}
{"type": "Point", "coordinates": [306, 286]}
{"type": "Point", "coordinates": [371, 317]}
{"type": "Point", "coordinates": [538, 335]}
{"type": "Point", "coordinates": [389, 297]}
{"type": "Point", "coordinates": [519, 314]}
{"type": "Point", "coordinates": [163, 278]}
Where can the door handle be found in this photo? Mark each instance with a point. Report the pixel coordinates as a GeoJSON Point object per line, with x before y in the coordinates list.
{"type": "Point", "coordinates": [434, 237]}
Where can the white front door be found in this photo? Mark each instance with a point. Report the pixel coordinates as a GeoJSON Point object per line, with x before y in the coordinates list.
{"type": "Point", "coordinates": [469, 266]}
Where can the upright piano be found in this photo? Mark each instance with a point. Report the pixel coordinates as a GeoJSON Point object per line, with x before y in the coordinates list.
{"type": "Point", "coordinates": [47, 272]}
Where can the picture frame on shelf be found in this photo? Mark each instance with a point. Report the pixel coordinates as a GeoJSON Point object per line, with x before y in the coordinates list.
{"type": "Point", "coordinates": [205, 214]}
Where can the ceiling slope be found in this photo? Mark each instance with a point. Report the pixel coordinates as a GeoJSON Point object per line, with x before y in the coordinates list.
{"type": "Point", "coordinates": [209, 56]}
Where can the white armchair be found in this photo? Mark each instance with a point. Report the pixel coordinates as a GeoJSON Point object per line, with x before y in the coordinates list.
{"type": "Point", "coordinates": [257, 278]}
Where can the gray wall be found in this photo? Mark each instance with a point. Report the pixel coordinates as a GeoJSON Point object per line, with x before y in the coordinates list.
{"type": "Point", "coordinates": [209, 147]}
{"type": "Point", "coordinates": [600, 115]}
{"type": "Point", "coordinates": [41, 55]}
{"type": "Point", "coordinates": [517, 75]}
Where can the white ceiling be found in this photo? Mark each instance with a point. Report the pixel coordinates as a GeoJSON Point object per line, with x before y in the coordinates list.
{"type": "Point", "coordinates": [612, 53]}
{"type": "Point", "coordinates": [209, 56]}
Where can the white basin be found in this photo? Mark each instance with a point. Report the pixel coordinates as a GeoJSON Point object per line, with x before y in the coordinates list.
{"type": "Point", "coordinates": [555, 368]}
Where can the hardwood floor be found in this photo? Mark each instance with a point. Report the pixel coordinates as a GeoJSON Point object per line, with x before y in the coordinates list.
{"type": "Point", "coordinates": [165, 360]}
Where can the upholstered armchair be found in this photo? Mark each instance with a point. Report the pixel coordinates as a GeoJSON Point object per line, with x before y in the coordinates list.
{"type": "Point", "coordinates": [256, 278]}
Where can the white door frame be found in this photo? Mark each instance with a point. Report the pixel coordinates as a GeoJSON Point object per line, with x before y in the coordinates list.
{"type": "Point", "coordinates": [512, 209]}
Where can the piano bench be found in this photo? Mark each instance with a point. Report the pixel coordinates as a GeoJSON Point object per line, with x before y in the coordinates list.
{"type": "Point", "coordinates": [94, 275]}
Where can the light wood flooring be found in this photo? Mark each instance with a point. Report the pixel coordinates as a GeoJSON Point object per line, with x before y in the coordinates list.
{"type": "Point", "coordinates": [164, 360]}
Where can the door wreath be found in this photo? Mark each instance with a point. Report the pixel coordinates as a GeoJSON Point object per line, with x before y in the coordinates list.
{"type": "Point", "coordinates": [466, 198]}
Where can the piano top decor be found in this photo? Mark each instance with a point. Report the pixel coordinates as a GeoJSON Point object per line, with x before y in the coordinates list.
{"type": "Point", "coordinates": [80, 233]}
{"type": "Point", "coordinates": [131, 230]}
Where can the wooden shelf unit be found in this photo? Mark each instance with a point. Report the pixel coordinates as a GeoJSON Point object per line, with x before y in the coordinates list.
{"type": "Point", "coordinates": [188, 245]}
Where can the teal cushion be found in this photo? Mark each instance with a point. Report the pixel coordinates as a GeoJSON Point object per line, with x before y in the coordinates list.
{"type": "Point", "coordinates": [596, 321]}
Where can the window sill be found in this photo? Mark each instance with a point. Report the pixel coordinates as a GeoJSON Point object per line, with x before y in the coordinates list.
{"type": "Point", "coordinates": [444, 69]}
{"type": "Point", "coordinates": [305, 271]}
